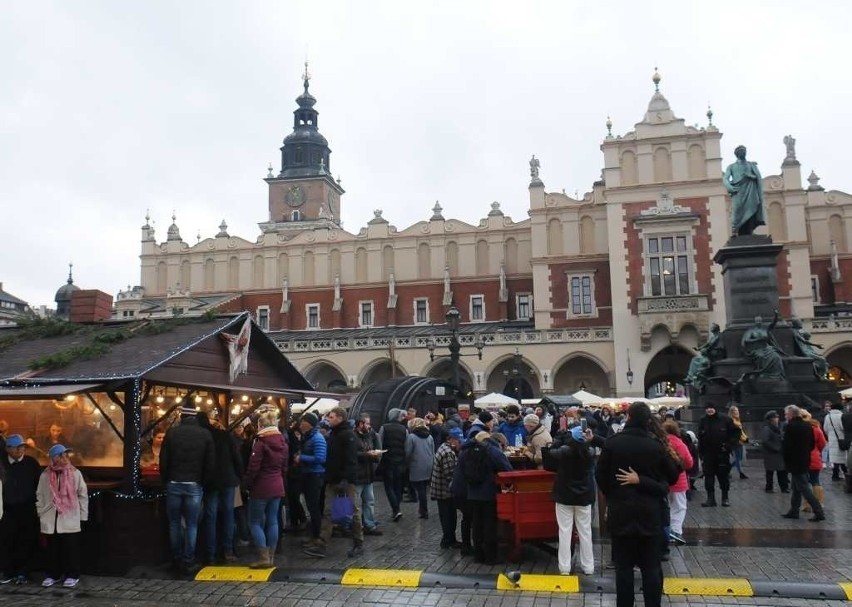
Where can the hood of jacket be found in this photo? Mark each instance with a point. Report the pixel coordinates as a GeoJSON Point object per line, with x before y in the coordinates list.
{"type": "Point", "coordinates": [274, 441]}
{"type": "Point", "coordinates": [422, 432]}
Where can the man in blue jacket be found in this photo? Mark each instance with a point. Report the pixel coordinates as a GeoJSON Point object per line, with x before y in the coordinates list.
{"type": "Point", "coordinates": [513, 428]}
{"type": "Point", "coordinates": [311, 461]}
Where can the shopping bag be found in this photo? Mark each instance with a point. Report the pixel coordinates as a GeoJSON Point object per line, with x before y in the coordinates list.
{"type": "Point", "coordinates": [342, 510]}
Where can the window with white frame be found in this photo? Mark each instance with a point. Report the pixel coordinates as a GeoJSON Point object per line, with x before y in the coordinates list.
{"type": "Point", "coordinates": [421, 311]}
{"type": "Point", "coordinates": [263, 318]}
{"type": "Point", "coordinates": [581, 294]}
{"type": "Point", "coordinates": [815, 288]}
{"type": "Point", "coordinates": [365, 313]}
{"type": "Point", "coordinates": [668, 264]}
{"type": "Point", "coordinates": [312, 313]}
{"type": "Point", "coordinates": [523, 302]}
{"type": "Point", "coordinates": [477, 308]}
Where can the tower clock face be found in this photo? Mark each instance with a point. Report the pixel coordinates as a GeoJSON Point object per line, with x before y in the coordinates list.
{"type": "Point", "coordinates": [295, 196]}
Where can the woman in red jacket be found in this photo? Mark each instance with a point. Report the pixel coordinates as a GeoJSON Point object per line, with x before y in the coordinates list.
{"type": "Point", "coordinates": [677, 492]}
{"type": "Point", "coordinates": [264, 481]}
{"type": "Point", "coordinates": [815, 466]}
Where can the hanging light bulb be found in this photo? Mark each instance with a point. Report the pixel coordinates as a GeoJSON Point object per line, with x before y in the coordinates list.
{"type": "Point", "coordinates": [235, 410]}
{"type": "Point", "coordinates": [198, 399]}
{"type": "Point", "coordinates": [209, 401]}
{"type": "Point", "coordinates": [70, 398]}
{"type": "Point", "coordinates": [160, 411]}
{"type": "Point", "coordinates": [245, 398]}
{"type": "Point", "coordinates": [178, 399]}
{"type": "Point", "coordinates": [160, 398]}
{"type": "Point", "coordinates": [112, 407]}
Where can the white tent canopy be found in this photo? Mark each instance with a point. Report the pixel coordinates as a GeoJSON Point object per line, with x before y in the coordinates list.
{"type": "Point", "coordinates": [587, 398]}
{"type": "Point", "coordinates": [847, 393]}
{"type": "Point", "coordinates": [320, 406]}
{"type": "Point", "coordinates": [670, 401]}
{"type": "Point", "coordinates": [493, 400]}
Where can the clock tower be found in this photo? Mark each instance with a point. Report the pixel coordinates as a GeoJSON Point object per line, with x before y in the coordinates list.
{"type": "Point", "coordinates": [304, 194]}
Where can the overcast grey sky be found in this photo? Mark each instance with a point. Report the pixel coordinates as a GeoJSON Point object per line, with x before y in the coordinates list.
{"type": "Point", "coordinates": [111, 108]}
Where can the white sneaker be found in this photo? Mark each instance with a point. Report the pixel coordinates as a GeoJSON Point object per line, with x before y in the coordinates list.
{"type": "Point", "coordinates": [48, 582]}
{"type": "Point", "coordinates": [70, 582]}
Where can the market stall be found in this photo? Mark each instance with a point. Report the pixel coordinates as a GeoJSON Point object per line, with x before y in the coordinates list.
{"type": "Point", "coordinates": [110, 390]}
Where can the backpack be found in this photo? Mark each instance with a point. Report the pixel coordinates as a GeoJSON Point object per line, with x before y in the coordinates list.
{"type": "Point", "coordinates": [476, 467]}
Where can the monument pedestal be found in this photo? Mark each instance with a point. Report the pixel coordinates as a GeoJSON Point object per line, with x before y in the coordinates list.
{"type": "Point", "coordinates": [749, 272]}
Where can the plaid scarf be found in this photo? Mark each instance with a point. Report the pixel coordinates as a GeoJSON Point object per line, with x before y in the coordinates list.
{"type": "Point", "coordinates": [62, 487]}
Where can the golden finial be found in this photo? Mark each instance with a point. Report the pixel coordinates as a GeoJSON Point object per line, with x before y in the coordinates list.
{"type": "Point", "coordinates": [656, 79]}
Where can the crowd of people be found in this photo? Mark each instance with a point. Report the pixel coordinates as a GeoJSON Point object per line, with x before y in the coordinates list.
{"type": "Point", "coordinates": [637, 466]}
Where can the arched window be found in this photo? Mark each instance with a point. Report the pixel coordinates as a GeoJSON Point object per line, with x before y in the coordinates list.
{"type": "Point", "coordinates": [482, 268]}
{"type": "Point", "coordinates": [162, 277]}
{"type": "Point", "coordinates": [361, 265]}
{"type": "Point", "coordinates": [387, 262]}
{"type": "Point", "coordinates": [587, 235]}
{"type": "Point", "coordinates": [837, 232]}
{"type": "Point", "coordinates": [511, 256]}
{"type": "Point", "coordinates": [308, 269]}
{"type": "Point", "coordinates": [209, 274]}
{"type": "Point", "coordinates": [233, 273]}
{"type": "Point", "coordinates": [524, 255]}
{"type": "Point", "coordinates": [424, 261]}
{"type": "Point", "coordinates": [554, 237]}
{"type": "Point", "coordinates": [184, 275]}
{"type": "Point", "coordinates": [453, 258]}
{"type": "Point", "coordinates": [777, 221]}
{"type": "Point", "coordinates": [662, 165]}
{"type": "Point", "coordinates": [257, 272]}
{"type": "Point", "coordinates": [333, 265]}
{"type": "Point", "coordinates": [628, 168]}
{"type": "Point", "coordinates": [296, 216]}
{"type": "Point", "coordinates": [696, 162]}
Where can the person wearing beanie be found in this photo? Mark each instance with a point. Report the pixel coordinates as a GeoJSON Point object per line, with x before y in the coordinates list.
{"type": "Point", "coordinates": [311, 462]}
{"type": "Point", "coordinates": [443, 467]}
{"type": "Point", "coordinates": [538, 437]}
{"type": "Point", "coordinates": [484, 423]}
{"type": "Point", "coordinates": [717, 437]}
{"type": "Point", "coordinates": [773, 460]}
{"type": "Point", "coordinates": [573, 492]}
{"type": "Point", "coordinates": [419, 455]}
{"type": "Point", "coordinates": [187, 459]}
{"type": "Point", "coordinates": [393, 436]}
{"type": "Point", "coordinates": [62, 502]}
{"type": "Point", "coordinates": [513, 428]}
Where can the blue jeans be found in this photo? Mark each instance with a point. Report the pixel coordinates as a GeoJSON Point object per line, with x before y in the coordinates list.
{"type": "Point", "coordinates": [368, 504]}
{"type": "Point", "coordinates": [219, 501]}
{"type": "Point", "coordinates": [183, 500]}
{"type": "Point", "coordinates": [263, 521]}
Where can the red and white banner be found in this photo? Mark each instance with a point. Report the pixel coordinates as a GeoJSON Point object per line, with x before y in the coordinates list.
{"type": "Point", "coordinates": [238, 349]}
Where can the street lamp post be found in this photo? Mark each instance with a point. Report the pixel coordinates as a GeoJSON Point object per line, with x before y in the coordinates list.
{"type": "Point", "coordinates": [453, 318]}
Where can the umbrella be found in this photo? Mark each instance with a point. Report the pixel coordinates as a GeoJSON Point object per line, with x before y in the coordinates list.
{"type": "Point", "coordinates": [587, 398]}
{"type": "Point", "coordinates": [495, 399]}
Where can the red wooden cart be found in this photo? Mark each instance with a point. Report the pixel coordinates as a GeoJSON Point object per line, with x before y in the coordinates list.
{"type": "Point", "coordinates": [527, 507]}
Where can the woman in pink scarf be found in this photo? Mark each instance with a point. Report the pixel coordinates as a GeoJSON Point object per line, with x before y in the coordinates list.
{"type": "Point", "coordinates": [62, 503]}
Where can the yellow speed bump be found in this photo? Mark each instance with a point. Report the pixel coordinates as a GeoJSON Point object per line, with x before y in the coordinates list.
{"type": "Point", "coordinates": [233, 574]}
{"type": "Point", "coordinates": [381, 577]}
{"type": "Point", "coordinates": [707, 586]}
{"type": "Point", "coordinates": [541, 583]}
{"type": "Point", "coordinates": [847, 588]}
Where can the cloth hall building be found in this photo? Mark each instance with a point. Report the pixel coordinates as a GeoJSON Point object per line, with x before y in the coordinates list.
{"type": "Point", "coordinates": [609, 292]}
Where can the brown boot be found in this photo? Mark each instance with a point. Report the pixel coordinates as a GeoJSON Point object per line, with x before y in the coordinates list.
{"type": "Point", "coordinates": [271, 553]}
{"type": "Point", "coordinates": [819, 493]}
{"type": "Point", "coordinates": [261, 560]}
{"type": "Point", "coordinates": [806, 507]}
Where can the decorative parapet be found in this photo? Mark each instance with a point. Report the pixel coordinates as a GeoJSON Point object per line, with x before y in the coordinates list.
{"type": "Point", "coordinates": [494, 338]}
{"type": "Point", "coordinates": [831, 325]}
{"type": "Point", "coordinates": [672, 312]}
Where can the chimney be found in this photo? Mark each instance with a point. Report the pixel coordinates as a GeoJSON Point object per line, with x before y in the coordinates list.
{"type": "Point", "coordinates": [90, 306]}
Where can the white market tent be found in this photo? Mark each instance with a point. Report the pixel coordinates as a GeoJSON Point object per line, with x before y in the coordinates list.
{"type": "Point", "coordinates": [847, 393]}
{"type": "Point", "coordinates": [587, 398]}
{"type": "Point", "coordinates": [670, 401]}
{"type": "Point", "coordinates": [494, 400]}
{"type": "Point", "coordinates": [320, 406]}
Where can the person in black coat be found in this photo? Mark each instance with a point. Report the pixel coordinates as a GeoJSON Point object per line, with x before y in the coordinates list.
{"type": "Point", "coordinates": [796, 446]}
{"type": "Point", "coordinates": [773, 459]}
{"type": "Point", "coordinates": [19, 526]}
{"type": "Point", "coordinates": [219, 489]}
{"type": "Point", "coordinates": [717, 436]}
{"type": "Point", "coordinates": [634, 473]}
{"type": "Point", "coordinates": [574, 493]}
{"type": "Point", "coordinates": [392, 436]}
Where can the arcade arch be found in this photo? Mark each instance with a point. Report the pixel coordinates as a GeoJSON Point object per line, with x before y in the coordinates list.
{"type": "Point", "coordinates": [668, 367]}
{"type": "Point", "coordinates": [379, 370]}
{"type": "Point", "coordinates": [442, 368]}
{"type": "Point", "coordinates": [326, 376]}
{"type": "Point", "coordinates": [581, 372]}
{"type": "Point", "coordinates": [517, 378]}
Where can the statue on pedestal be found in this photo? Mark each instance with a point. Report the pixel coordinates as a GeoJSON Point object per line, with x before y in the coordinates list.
{"type": "Point", "coordinates": [806, 348]}
{"type": "Point", "coordinates": [743, 182]}
{"type": "Point", "coordinates": [760, 346]}
{"type": "Point", "coordinates": [700, 365]}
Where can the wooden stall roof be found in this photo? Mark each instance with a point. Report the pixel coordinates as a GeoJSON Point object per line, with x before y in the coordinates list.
{"type": "Point", "coordinates": [184, 352]}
